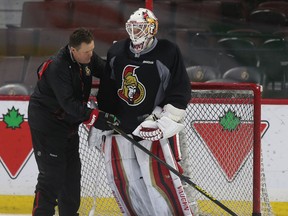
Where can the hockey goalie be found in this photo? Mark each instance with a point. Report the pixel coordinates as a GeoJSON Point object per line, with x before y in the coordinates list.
{"type": "Point", "coordinates": [146, 86]}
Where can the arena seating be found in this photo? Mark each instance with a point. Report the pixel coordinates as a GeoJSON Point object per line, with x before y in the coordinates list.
{"type": "Point", "coordinates": [52, 14]}
{"type": "Point", "coordinates": [14, 89]}
{"type": "Point", "coordinates": [201, 29]}
{"type": "Point", "coordinates": [22, 41]}
{"type": "Point", "coordinates": [202, 73]}
{"type": "Point", "coordinates": [274, 63]}
{"type": "Point", "coordinates": [236, 51]}
{"type": "Point", "coordinates": [95, 14]}
{"type": "Point", "coordinates": [30, 76]}
{"type": "Point", "coordinates": [198, 14]}
{"type": "Point", "coordinates": [244, 74]}
{"type": "Point", "coordinates": [3, 42]}
{"type": "Point", "coordinates": [12, 69]}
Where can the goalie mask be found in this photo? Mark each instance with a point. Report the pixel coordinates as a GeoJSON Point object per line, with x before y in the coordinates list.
{"type": "Point", "coordinates": [141, 27]}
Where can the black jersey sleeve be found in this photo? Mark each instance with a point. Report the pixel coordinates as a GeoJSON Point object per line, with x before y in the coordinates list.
{"type": "Point", "coordinates": [107, 94]}
{"type": "Point", "coordinates": [178, 91]}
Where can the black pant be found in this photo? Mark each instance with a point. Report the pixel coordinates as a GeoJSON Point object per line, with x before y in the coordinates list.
{"type": "Point", "coordinates": [58, 182]}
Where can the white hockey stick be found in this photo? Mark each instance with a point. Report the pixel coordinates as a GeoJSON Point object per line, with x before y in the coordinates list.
{"type": "Point", "coordinates": [93, 209]}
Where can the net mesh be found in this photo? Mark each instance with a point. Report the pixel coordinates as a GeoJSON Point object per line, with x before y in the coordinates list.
{"type": "Point", "coordinates": [95, 191]}
{"type": "Point", "coordinates": [217, 154]}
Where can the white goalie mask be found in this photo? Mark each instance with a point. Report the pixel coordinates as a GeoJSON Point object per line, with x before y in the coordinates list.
{"type": "Point", "coordinates": [141, 27]}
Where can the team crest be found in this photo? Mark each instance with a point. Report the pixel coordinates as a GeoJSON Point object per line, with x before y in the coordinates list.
{"type": "Point", "coordinates": [132, 91]}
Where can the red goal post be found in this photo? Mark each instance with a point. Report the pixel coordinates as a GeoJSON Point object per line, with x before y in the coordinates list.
{"type": "Point", "coordinates": [221, 152]}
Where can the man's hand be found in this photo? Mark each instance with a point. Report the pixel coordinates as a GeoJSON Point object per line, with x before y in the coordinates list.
{"type": "Point", "coordinates": [99, 120]}
{"type": "Point", "coordinates": [103, 118]}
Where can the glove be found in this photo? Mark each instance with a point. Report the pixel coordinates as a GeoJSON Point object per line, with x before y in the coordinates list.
{"type": "Point", "coordinates": [148, 130]}
{"type": "Point", "coordinates": [161, 124]}
{"type": "Point", "coordinates": [99, 120]}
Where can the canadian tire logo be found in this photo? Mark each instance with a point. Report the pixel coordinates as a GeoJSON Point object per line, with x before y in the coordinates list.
{"type": "Point", "coordinates": [229, 141]}
{"type": "Point", "coordinates": [15, 142]}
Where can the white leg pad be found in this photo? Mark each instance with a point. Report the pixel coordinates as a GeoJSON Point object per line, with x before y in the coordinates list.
{"type": "Point", "coordinates": [125, 178]}
{"type": "Point", "coordinates": [164, 188]}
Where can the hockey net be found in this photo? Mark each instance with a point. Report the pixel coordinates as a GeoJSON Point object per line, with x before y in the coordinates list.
{"type": "Point", "coordinates": [221, 153]}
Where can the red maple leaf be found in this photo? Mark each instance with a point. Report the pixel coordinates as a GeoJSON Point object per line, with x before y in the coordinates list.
{"type": "Point", "coordinates": [15, 142]}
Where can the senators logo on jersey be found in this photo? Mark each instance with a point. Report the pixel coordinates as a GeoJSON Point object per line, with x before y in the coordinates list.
{"type": "Point", "coordinates": [132, 91]}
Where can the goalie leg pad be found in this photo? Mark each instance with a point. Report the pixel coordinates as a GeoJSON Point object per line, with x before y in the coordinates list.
{"type": "Point", "coordinates": [168, 156]}
{"type": "Point", "coordinates": [125, 178]}
{"type": "Point", "coordinates": [165, 190]}
{"type": "Point", "coordinates": [97, 138]}
{"type": "Point", "coordinates": [187, 168]}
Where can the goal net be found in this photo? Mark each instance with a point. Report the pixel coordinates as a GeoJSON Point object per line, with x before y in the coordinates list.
{"type": "Point", "coordinates": [221, 150]}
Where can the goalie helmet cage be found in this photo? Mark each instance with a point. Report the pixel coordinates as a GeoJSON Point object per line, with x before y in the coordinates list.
{"type": "Point", "coordinates": [221, 154]}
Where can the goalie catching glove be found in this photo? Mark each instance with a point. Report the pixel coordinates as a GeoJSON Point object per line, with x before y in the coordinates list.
{"type": "Point", "coordinates": [161, 124]}
{"type": "Point", "coordinates": [99, 120]}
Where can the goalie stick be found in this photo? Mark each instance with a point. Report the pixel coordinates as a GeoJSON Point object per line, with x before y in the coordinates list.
{"type": "Point", "coordinates": [182, 177]}
{"type": "Point", "coordinates": [92, 210]}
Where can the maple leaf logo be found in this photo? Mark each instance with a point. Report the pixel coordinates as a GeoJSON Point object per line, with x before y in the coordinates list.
{"type": "Point", "coordinates": [229, 132]}
{"type": "Point", "coordinates": [13, 118]}
{"type": "Point", "coordinates": [230, 121]}
{"type": "Point", "coordinates": [15, 142]}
